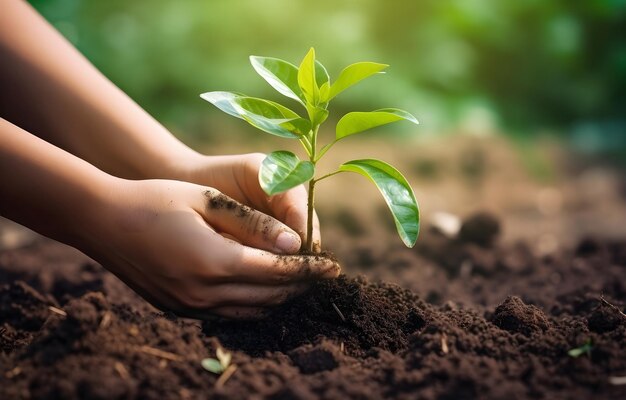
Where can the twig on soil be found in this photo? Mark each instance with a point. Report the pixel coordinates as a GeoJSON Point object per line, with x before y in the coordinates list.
{"type": "Point", "coordinates": [57, 311]}
{"type": "Point", "coordinates": [160, 353]}
{"type": "Point", "coordinates": [339, 312]}
{"type": "Point", "coordinates": [106, 320]}
{"type": "Point", "coordinates": [617, 380]}
{"type": "Point", "coordinates": [444, 343]}
{"type": "Point", "coordinates": [225, 376]}
{"type": "Point", "coordinates": [603, 300]}
{"type": "Point", "coordinates": [121, 370]}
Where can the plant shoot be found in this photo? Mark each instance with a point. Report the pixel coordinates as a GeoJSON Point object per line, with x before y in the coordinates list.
{"type": "Point", "coordinates": [310, 85]}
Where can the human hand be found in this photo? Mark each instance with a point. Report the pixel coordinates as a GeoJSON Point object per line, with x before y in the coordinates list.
{"type": "Point", "coordinates": [238, 177]}
{"type": "Point", "coordinates": [169, 241]}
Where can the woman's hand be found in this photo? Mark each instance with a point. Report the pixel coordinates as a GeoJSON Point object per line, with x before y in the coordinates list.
{"type": "Point", "coordinates": [169, 241]}
{"type": "Point", "coordinates": [238, 177]}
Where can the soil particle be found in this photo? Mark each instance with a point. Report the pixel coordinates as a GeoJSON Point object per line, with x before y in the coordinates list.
{"type": "Point", "coordinates": [481, 228]}
{"type": "Point", "coordinates": [219, 201]}
{"type": "Point", "coordinates": [23, 307]}
{"type": "Point", "coordinates": [311, 359]}
{"type": "Point", "coordinates": [605, 318]}
{"type": "Point", "coordinates": [516, 317]}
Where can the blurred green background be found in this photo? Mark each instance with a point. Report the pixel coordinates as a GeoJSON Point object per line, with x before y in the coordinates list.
{"type": "Point", "coordinates": [522, 68]}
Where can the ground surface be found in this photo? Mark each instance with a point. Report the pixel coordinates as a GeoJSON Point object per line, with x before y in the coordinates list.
{"type": "Point", "coordinates": [482, 321]}
{"type": "Point", "coordinates": [478, 314]}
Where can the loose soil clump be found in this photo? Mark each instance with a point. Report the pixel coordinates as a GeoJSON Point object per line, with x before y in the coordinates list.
{"type": "Point", "coordinates": [465, 319]}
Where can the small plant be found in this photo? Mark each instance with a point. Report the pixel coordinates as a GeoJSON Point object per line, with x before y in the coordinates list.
{"type": "Point", "coordinates": [579, 351]}
{"type": "Point", "coordinates": [219, 365]}
{"type": "Point", "coordinates": [310, 85]}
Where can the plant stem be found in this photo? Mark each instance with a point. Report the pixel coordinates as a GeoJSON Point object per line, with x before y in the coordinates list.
{"type": "Point", "coordinates": [327, 176]}
{"type": "Point", "coordinates": [309, 219]}
{"type": "Point", "coordinates": [325, 149]}
{"type": "Point", "coordinates": [311, 201]}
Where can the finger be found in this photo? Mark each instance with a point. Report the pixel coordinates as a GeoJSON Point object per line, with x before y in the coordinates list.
{"type": "Point", "coordinates": [248, 226]}
{"type": "Point", "coordinates": [242, 313]}
{"type": "Point", "coordinates": [251, 295]}
{"type": "Point", "coordinates": [258, 266]}
{"type": "Point", "coordinates": [291, 208]}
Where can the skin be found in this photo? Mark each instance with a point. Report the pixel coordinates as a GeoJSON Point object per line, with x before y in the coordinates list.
{"type": "Point", "coordinates": [82, 163]}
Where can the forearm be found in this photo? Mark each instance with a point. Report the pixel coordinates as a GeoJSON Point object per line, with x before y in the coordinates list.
{"type": "Point", "coordinates": [46, 188]}
{"type": "Point", "coordinates": [51, 90]}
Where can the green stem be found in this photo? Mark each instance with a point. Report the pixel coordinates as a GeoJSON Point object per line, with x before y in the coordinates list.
{"type": "Point", "coordinates": [309, 219]}
{"type": "Point", "coordinates": [327, 176]}
{"type": "Point", "coordinates": [304, 141]}
{"type": "Point", "coordinates": [325, 149]}
{"type": "Point", "coordinates": [311, 201]}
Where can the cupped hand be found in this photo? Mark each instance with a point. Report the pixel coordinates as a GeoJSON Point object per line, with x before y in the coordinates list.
{"type": "Point", "coordinates": [238, 177]}
{"type": "Point", "coordinates": [173, 243]}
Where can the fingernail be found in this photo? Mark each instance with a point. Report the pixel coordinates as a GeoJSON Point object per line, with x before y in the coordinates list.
{"type": "Point", "coordinates": [287, 242]}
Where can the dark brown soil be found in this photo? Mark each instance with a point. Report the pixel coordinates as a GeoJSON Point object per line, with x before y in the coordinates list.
{"type": "Point", "coordinates": [464, 320]}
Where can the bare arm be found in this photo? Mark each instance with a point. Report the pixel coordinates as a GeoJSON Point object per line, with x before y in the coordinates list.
{"type": "Point", "coordinates": [162, 237]}
{"type": "Point", "coordinates": [52, 91]}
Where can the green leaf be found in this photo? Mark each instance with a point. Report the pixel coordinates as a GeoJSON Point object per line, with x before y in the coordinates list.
{"type": "Point", "coordinates": [397, 193]}
{"type": "Point", "coordinates": [324, 92]}
{"type": "Point", "coordinates": [212, 365]}
{"type": "Point", "coordinates": [356, 122]}
{"type": "Point", "coordinates": [321, 74]}
{"type": "Point", "coordinates": [306, 78]}
{"type": "Point", "coordinates": [318, 115]}
{"type": "Point", "coordinates": [353, 74]}
{"type": "Point", "coordinates": [280, 74]}
{"type": "Point", "coordinates": [265, 115]}
{"type": "Point", "coordinates": [282, 170]}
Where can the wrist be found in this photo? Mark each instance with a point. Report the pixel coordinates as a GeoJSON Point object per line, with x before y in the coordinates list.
{"type": "Point", "coordinates": [181, 166]}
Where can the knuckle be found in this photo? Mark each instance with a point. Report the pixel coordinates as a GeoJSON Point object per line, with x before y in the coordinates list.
{"type": "Point", "coordinates": [285, 270]}
{"type": "Point", "coordinates": [215, 271]}
{"type": "Point", "coordinates": [193, 299]}
{"type": "Point", "coordinates": [261, 224]}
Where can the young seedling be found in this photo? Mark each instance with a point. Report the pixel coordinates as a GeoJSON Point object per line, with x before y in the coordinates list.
{"type": "Point", "coordinates": [579, 351]}
{"type": "Point", "coordinates": [310, 85]}
{"type": "Point", "coordinates": [217, 365]}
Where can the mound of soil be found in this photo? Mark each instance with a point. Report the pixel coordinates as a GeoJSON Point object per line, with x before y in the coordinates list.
{"type": "Point", "coordinates": [464, 320]}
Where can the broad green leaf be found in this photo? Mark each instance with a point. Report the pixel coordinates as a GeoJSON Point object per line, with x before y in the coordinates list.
{"type": "Point", "coordinates": [353, 74]}
{"type": "Point", "coordinates": [321, 74]}
{"type": "Point", "coordinates": [263, 114]}
{"type": "Point", "coordinates": [212, 365]}
{"type": "Point", "coordinates": [281, 75]}
{"type": "Point", "coordinates": [356, 122]}
{"type": "Point", "coordinates": [324, 92]}
{"type": "Point", "coordinates": [282, 170]}
{"type": "Point", "coordinates": [397, 193]}
{"type": "Point", "coordinates": [319, 115]}
{"type": "Point", "coordinates": [306, 78]}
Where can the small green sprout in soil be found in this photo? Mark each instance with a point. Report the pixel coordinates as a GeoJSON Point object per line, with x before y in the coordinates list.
{"type": "Point", "coordinates": [579, 351]}
{"type": "Point", "coordinates": [217, 365]}
{"type": "Point", "coordinates": [310, 85]}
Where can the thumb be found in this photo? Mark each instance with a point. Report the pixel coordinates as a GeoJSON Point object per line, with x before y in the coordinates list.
{"type": "Point", "coordinates": [248, 226]}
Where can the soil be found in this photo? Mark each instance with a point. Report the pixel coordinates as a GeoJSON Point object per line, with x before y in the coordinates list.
{"type": "Point", "coordinates": [455, 318]}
